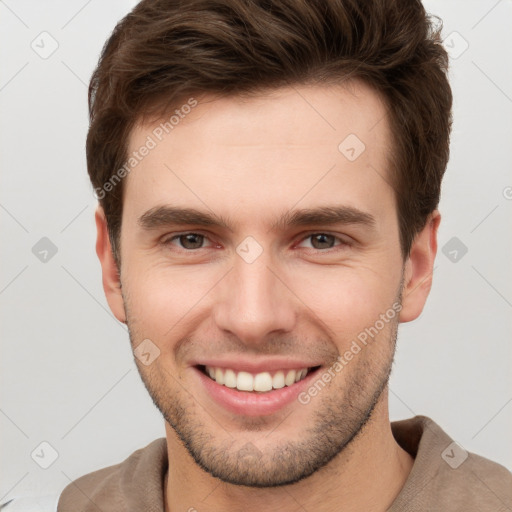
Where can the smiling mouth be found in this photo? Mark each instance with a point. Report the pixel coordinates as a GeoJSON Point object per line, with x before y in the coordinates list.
{"type": "Point", "coordinates": [263, 382]}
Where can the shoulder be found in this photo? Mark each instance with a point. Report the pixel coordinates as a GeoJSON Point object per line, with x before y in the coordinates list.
{"type": "Point", "coordinates": [118, 486]}
{"type": "Point", "coordinates": [447, 476]}
{"type": "Point", "coordinates": [466, 478]}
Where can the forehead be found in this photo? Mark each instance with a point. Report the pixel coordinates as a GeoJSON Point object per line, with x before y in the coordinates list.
{"type": "Point", "coordinates": [312, 144]}
{"type": "Point", "coordinates": [308, 113]}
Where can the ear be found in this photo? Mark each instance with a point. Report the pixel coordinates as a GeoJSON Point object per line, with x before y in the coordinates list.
{"type": "Point", "coordinates": [111, 279]}
{"type": "Point", "coordinates": [419, 268]}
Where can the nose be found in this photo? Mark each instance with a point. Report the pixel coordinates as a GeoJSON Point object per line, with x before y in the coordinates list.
{"type": "Point", "coordinates": [254, 301]}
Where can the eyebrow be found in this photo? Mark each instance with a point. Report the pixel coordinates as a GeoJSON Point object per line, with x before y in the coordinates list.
{"type": "Point", "coordinates": [162, 216]}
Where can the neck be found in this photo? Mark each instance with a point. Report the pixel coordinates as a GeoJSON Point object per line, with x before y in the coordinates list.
{"type": "Point", "coordinates": [367, 475]}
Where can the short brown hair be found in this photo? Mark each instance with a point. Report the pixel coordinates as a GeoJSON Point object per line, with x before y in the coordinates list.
{"type": "Point", "coordinates": [166, 50]}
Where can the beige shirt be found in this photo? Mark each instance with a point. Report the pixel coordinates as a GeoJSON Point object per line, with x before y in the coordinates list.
{"type": "Point", "coordinates": [444, 478]}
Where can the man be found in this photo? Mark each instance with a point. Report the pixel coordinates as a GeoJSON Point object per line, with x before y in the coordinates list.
{"type": "Point", "coordinates": [268, 176]}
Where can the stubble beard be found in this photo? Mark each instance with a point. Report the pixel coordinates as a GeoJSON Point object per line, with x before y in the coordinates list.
{"type": "Point", "coordinates": [339, 418]}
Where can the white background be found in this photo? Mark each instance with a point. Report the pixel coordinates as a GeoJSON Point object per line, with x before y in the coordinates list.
{"type": "Point", "coordinates": [67, 372]}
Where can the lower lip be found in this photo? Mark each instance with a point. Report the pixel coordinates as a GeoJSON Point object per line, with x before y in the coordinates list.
{"type": "Point", "coordinates": [249, 403]}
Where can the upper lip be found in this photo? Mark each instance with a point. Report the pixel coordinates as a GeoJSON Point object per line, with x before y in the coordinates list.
{"type": "Point", "coordinates": [242, 364]}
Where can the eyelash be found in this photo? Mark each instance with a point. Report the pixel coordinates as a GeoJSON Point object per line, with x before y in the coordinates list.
{"type": "Point", "coordinates": [343, 243]}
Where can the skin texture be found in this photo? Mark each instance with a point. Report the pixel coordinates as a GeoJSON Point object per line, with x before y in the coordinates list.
{"type": "Point", "coordinates": [250, 161]}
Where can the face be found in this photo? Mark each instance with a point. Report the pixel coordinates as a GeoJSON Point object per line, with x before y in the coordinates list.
{"type": "Point", "coordinates": [260, 250]}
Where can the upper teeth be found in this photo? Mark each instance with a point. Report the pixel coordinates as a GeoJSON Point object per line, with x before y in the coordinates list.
{"type": "Point", "coordinates": [245, 381]}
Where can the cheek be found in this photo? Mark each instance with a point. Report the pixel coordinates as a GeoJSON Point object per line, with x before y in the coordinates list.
{"type": "Point", "coordinates": [168, 303]}
{"type": "Point", "coordinates": [347, 300]}
{"type": "Point", "coordinates": [162, 299]}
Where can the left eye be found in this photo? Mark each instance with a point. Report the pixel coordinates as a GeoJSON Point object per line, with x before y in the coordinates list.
{"type": "Point", "coordinates": [323, 240]}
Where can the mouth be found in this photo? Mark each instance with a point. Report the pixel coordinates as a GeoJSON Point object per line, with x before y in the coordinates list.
{"type": "Point", "coordinates": [254, 387]}
{"type": "Point", "coordinates": [262, 382]}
